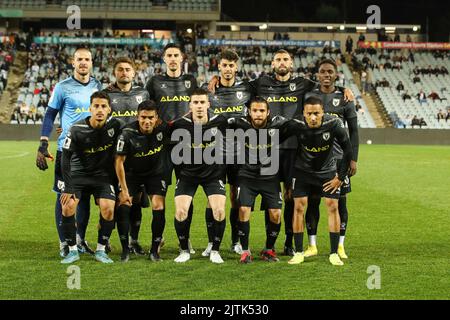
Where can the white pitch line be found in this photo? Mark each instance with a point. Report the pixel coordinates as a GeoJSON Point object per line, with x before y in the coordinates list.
{"type": "Point", "coordinates": [20, 155]}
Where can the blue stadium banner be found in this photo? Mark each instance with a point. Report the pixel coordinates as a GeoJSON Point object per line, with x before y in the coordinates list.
{"type": "Point", "coordinates": [267, 43]}
{"type": "Point", "coordinates": [104, 41]}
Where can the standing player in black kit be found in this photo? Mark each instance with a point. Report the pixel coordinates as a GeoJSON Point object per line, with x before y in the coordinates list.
{"type": "Point", "coordinates": [125, 98]}
{"type": "Point", "coordinates": [171, 92]}
{"type": "Point", "coordinates": [334, 104]}
{"type": "Point", "coordinates": [140, 161]}
{"type": "Point", "coordinates": [229, 99]}
{"type": "Point", "coordinates": [87, 162]}
{"type": "Point", "coordinates": [198, 135]}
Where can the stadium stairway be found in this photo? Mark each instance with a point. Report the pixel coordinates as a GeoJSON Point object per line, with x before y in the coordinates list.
{"type": "Point", "coordinates": [374, 106]}
{"type": "Point", "coordinates": [15, 77]}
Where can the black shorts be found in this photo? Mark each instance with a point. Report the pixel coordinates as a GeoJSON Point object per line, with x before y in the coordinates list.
{"type": "Point", "coordinates": [168, 169]}
{"type": "Point", "coordinates": [58, 183]}
{"type": "Point", "coordinates": [186, 187]}
{"type": "Point", "coordinates": [232, 174]}
{"type": "Point", "coordinates": [153, 185]}
{"type": "Point", "coordinates": [270, 191]}
{"type": "Point", "coordinates": [98, 187]}
{"type": "Point", "coordinates": [306, 184]}
{"type": "Point", "coordinates": [287, 161]}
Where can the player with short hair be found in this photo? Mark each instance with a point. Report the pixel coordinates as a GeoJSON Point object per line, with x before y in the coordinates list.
{"type": "Point", "coordinates": [87, 161]}
{"type": "Point", "coordinates": [315, 170]}
{"type": "Point", "coordinates": [255, 176]}
{"type": "Point", "coordinates": [71, 99]}
{"type": "Point", "coordinates": [334, 104]}
{"type": "Point", "coordinates": [229, 99]}
{"type": "Point", "coordinates": [198, 134]}
{"type": "Point", "coordinates": [171, 92]}
{"type": "Point", "coordinates": [125, 99]}
{"type": "Point", "coordinates": [140, 161]}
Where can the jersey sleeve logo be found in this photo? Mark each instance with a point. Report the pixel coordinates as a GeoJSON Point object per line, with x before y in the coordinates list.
{"type": "Point", "coordinates": [292, 86]}
{"type": "Point", "coordinates": [187, 84]}
{"type": "Point", "coordinates": [326, 136]}
{"type": "Point", "coordinates": [67, 143]}
{"type": "Point", "coordinates": [111, 132]}
{"type": "Point", "coordinates": [336, 102]}
{"type": "Point", "coordinates": [239, 95]}
{"type": "Point", "coordinates": [120, 145]}
{"type": "Point", "coordinates": [159, 136]}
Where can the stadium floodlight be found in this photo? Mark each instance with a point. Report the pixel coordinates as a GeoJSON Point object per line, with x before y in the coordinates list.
{"type": "Point", "coordinates": [147, 31]}
{"type": "Point", "coordinates": [189, 30]}
{"type": "Point", "coordinates": [342, 27]}
{"type": "Point", "coordinates": [329, 27]}
{"type": "Point", "coordinates": [415, 28]}
{"type": "Point", "coordinates": [361, 28]}
{"type": "Point", "coordinates": [263, 27]}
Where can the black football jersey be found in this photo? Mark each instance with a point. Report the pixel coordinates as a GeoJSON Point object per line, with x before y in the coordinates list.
{"type": "Point", "coordinates": [145, 153]}
{"type": "Point", "coordinates": [230, 101]}
{"type": "Point", "coordinates": [191, 146]}
{"type": "Point", "coordinates": [315, 152]}
{"type": "Point", "coordinates": [124, 104]}
{"type": "Point", "coordinates": [285, 97]}
{"type": "Point", "coordinates": [172, 95]}
{"type": "Point", "coordinates": [260, 147]}
{"type": "Point", "coordinates": [90, 151]}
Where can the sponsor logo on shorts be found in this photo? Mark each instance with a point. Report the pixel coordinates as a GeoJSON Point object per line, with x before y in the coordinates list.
{"type": "Point", "coordinates": [61, 185]}
{"type": "Point", "coordinates": [113, 192]}
{"type": "Point", "coordinates": [222, 185]}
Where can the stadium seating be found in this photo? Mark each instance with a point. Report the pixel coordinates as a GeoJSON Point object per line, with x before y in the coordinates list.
{"type": "Point", "coordinates": [404, 110]}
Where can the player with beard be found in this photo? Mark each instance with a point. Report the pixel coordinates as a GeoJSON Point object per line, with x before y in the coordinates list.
{"type": "Point", "coordinates": [70, 98]}
{"type": "Point", "coordinates": [334, 104]}
{"type": "Point", "coordinates": [230, 100]}
{"type": "Point", "coordinates": [125, 99]}
{"type": "Point", "coordinates": [171, 92]}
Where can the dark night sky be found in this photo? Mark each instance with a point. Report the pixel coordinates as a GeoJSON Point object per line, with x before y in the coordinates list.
{"type": "Point", "coordinates": [352, 11]}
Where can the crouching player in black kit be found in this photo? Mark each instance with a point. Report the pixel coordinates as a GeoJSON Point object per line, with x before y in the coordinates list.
{"type": "Point", "coordinates": [199, 134]}
{"type": "Point", "coordinates": [259, 175]}
{"type": "Point", "coordinates": [88, 169]}
{"type": "Point", "coordinates": [140, 161]}
{"type": "Point", "coordinates": [316, 172]}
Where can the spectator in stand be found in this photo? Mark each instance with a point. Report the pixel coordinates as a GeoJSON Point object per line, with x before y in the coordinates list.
{"type": "Point", "coordinates": [358, 107]}
{"type": "Point", "coordinates": [32, 113]}
{"type": "Point", "coordinates": [418, 122]}
{"type": "Point", "coordinates": [286, 36]}
{"type": "Point", "coordinates": [441, 115]}
{"type": "Point", "coordinates": [362, 37]}
{"type": "Point", "coordinates": [444, 70]}
{"type": "Point", "coordinates": [24, 111]}
{"type": "Point", "coordinates": [434, 96]}
{"type": "Point", "coordinates": [364, 77]}
{"type": "Point", "coordinates": [397, 37]}
{"type": "Point", "coordinates": [15, 116]}
{"type": "Point", "coordinates": [448, 114]}
{"type": "Point", "coordinates": [406, 96]}
{"type": "Point", "coordinates": [408, 38]}
{"type": "Point", "coordinates": [400, 86]}
{"type": "Point", "coordinates": [349, 45]}
{"type": "Point", "coordinates": [385, 83]}
{"type": "Point", "coordinates": [416, 79]}
{"type": "Point", "coordinates": [422, 97]}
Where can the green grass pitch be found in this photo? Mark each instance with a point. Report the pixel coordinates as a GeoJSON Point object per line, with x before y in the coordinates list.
{"type": "Point", "coordinates": [399, 220]}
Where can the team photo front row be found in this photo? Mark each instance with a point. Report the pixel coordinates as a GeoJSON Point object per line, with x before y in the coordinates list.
{"type": "Point", "coordinates": [121, 165]}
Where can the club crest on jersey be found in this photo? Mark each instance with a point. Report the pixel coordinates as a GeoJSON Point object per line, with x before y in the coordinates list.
{"type": "Point", "coordinates": [114, 101]}
{"type": "Point", "coordinates": [159, 136]}
{"type": "Point", "coordinates": [163, 86]}
{"type": "Point", "coordinates": [271, 132]}
{"type": "Point", "coordinates": [239, 95]}
{"type": "Point", "coordinates": [214, 131]}
{"type": "Point", "coordinates": [292, 86]}
{"type": "Point", "coordinates": [138, 99]}
{"type": "Point", "coordinates": [336, 102]}
{"type": "Point", "coordinates": [111, 132]}
{"type": "Point", "coordinates": [326, 136]}
{"type": "Point", "coordinates": [187, 84]}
